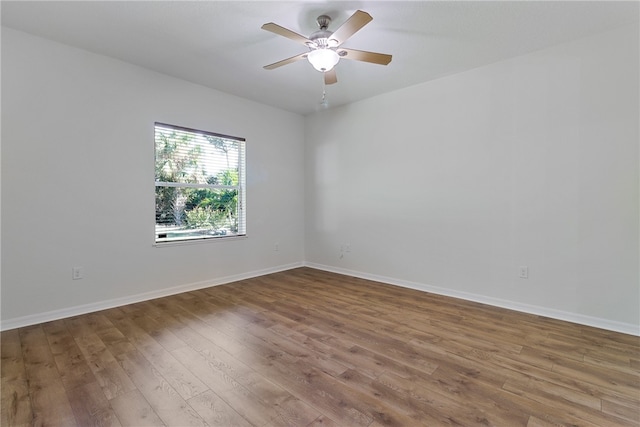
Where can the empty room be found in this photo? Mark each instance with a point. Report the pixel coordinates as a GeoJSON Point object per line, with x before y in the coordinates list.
{"type": "Point", "coordinates": [320, 213]}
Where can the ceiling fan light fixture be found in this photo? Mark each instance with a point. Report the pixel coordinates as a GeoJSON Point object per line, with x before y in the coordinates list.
{"type": "Point", "coordinates": [324, 46]}
{"type": "Point", "coordinates": [323, 59]}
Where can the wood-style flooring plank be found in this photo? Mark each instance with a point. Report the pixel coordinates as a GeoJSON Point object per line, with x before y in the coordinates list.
{"type": "Point", "coordinates": [176, 374]}
{"type": "Point", "coordinates": [15, 404]}
{"type": "Point", "coordinates": [216, 412]}
{"type": "Point", "coordinates": [132, 409]}
{"type": "Point", "coordinates": [242, 400]}
{"type": "Point", "coordinates": [72, 366]}
{"type": "Point", "coordinates": [164, 399]}
{"type": "Point", "coordinates": [310, 348]}
{"type": "Point", "coordinates": [323, 421]}
{"type": "Point", "coordinates": [91, 407]}
{"type": "Point", "coordinates": [49, 400]}
{"type": "Point", "coordinates": [109, 374]}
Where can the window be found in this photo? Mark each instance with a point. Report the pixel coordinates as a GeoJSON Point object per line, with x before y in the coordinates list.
{"type": "Point", "coordinates": [200, 185]}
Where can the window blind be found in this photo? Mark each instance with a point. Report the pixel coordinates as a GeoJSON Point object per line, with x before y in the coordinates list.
{"type": "Point", "coordinates": [200, 184]}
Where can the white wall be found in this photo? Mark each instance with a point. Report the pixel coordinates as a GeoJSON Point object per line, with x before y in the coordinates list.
{"type": "Point", "coordinates": [448, 186]}
{"type": "Point", "coordinates": [451, 185]}
{"type": "Point", "coordinates": [78, 182]}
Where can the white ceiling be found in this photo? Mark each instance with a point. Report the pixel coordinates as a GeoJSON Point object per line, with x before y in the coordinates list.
{"type": "Point", "coordinates": [219, 44]}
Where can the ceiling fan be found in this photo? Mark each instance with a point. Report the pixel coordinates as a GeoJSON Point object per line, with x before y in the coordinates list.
{"type": "Point", "coordinates": [324, 45]}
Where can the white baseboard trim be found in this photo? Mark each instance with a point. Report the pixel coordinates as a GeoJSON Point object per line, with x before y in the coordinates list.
{"type": "Point", "coordinates": [610, 325]}
{"type": "Point", "coordinates": [581, 319]}
{"type": "Point", "coordinates": [34, 319]}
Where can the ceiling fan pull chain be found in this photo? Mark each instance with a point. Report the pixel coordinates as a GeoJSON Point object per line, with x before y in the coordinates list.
{"type": "Point", "coordinates": [324, 102]}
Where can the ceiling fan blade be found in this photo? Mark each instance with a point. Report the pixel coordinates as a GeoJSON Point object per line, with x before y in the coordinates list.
{"type": "Point", "coordinates": [330, 77]}
{"type": "Point", "coordinates": [281, 31]}
{"type": "Point", "coordinates": [361, 55]}
{"type": "Point", "coordinates": [285, 61]}
{"type": "Point", "coordinates": [351, 26]}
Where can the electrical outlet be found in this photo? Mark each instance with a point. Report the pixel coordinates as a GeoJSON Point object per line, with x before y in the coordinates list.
{"type": "Point", "coordinates": [276, 246]}
{"type": "Point", "coordinates": [77, 273]}
{"type": "Point", "coordinates": [523, 272]}
{"type": "Point", "coordinates": [347, 247]}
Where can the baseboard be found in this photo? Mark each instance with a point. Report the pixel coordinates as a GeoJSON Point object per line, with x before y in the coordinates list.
{"type": "Point", "coordinates": [610, 325]}
{"type": "Point", "coordinates": [581, 319]}
{"type": "Point", "coordinates": [117, 302]}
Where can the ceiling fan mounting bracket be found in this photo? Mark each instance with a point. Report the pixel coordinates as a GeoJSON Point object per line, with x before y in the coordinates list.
{"type": "Point", "coordinates": [323, 22]}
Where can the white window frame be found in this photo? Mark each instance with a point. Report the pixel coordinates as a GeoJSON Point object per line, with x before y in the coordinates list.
{"type": "Point", "coordinates": [182, 236]}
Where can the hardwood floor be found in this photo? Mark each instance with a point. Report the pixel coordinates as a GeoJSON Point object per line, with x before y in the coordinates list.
{"type": "Point", "coordinates": [310, 348]}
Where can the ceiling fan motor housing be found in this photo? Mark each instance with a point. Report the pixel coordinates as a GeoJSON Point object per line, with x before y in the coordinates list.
{"type": "Point", "coordinates": [322, 38]}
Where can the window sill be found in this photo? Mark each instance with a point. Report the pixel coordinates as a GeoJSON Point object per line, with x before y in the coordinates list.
{"type": "Point", "coordinates": [198, 241]}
